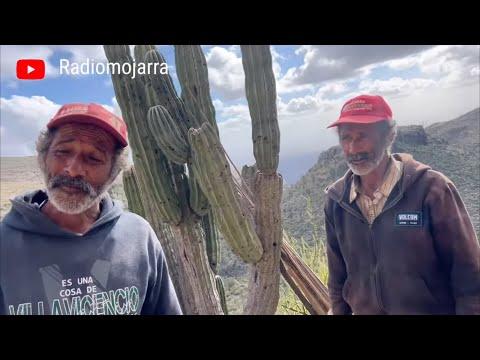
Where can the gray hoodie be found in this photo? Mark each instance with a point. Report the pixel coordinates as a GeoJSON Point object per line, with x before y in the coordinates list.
{"type": "Point", "coordinates": [117, 267]}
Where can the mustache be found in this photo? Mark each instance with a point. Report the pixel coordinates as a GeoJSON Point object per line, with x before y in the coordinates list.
{"type": "Point", "coordinates": [358, 157]}
{"type": "Point", "coordinates": [79, 183]}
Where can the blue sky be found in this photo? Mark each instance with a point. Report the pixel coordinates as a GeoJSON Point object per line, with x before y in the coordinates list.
{"type": "Point", "coordinates": [423, 84]}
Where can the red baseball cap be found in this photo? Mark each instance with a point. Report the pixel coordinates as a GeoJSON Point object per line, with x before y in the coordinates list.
{"type": "Point", "coordinates": [91, 114]}
{"type": "Point", "coordinates": [364, 109]}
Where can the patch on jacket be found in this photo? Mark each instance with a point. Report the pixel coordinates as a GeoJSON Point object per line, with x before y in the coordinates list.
{"type": "Point", "coordinates": [412, 218]}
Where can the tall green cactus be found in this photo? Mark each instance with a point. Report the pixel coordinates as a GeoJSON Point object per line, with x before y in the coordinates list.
{"type": "Point", "coordinates": [150, 106]}
{"type": "Point", "coordinates": [262, 96]}
{"type": "Point", "coordinates": [263, 294]}
{"type": "Point", "coordinates": [131, 189]}
{"type": "Point", "coordinates": [216, 181]}
{"type": "Point", "coordinates": [169, 136]}
{"type": "Point", "coordinates": [192, 72]}
{"type": "Point", "coordinates": [181, 165]}
{"type": "Point", "coordinates": [211, 240]}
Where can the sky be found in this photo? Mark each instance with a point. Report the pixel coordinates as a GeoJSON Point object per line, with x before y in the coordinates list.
{"type": "Point", "coordinates": [423, 84]}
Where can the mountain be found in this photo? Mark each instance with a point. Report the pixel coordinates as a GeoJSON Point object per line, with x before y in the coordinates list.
{"type": "Point", "coordinates": [451, 147]}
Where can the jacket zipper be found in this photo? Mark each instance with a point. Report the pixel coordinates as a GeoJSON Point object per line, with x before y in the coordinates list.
{"type": "Point", "coordinates": [376, 255]}
{"type": "Point", "coordinates": [376, 273]}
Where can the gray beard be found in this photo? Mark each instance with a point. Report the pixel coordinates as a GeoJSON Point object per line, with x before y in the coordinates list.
{"type": "Point", "coordinates": [78, 203]}
{"type": "Point", "coordinates": [370, 165]}
{"type": "Point", "coordinates": [72, 205]}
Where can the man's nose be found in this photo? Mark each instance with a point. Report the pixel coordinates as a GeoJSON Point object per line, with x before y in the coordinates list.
{"type": "Point", "coordinates": [352, 147]}
{"type": "Point", "coordinates": [75, 167]}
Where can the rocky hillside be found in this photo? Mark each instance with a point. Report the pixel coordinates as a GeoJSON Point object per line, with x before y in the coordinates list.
{"type": "Point", "coordinates": [451, 147]}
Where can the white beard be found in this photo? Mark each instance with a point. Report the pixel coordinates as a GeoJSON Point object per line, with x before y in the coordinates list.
{"type": "Point", "coordinates": [72, 204]}
{"type": "Point", "coordinates": [370, 164]}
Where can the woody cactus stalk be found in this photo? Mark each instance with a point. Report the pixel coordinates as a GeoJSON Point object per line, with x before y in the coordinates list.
{"type": "Point", "coordinates": [264, 283]}
{"type": "Point", "coordinates": [258, 238]}
{"type": "Point", "coordinates": [130, 187]}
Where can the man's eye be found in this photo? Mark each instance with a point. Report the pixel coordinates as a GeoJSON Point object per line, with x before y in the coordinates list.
{"type": "Point", "coordinates": [94, 159]}
{"type": "Point", "coordinates": [61, 152]}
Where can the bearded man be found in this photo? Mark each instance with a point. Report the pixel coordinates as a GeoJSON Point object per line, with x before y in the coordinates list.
{"type": "Point", "coordinates": [399, 239]}
{"type": "Point", "coordinates": [69, 249]}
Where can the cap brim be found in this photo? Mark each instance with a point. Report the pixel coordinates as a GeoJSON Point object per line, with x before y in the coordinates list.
{"type": "Point", "coordinates": [88, 119]}
{"type": "Point", "coordinates": [358, 119]}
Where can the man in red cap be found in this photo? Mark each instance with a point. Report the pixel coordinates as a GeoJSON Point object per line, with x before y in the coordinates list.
{"type": "Point", "coordinates": [71, 249]}
{"type": "Point", "coordinates": [399, 239]}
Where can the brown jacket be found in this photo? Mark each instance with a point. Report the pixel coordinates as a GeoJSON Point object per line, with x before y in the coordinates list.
{"type": "Point", "coordinates": [420, 255]}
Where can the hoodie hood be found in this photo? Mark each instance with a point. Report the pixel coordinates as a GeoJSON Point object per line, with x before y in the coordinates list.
{"type": "Point", "coordinates": [25, 215]}
{"type": "Point", "coordinates": [412, 171]}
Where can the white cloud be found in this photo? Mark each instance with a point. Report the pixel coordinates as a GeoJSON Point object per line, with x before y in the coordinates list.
{"type": "Point", "coordinates": [277, 69]}
{"type": "Point", "coordinates": [235, 135]}
{"type": "Point", "coordinates": [396, 86]}
{"type": "Point", "coordinates": [10, 54]}
{"type": "Point", "coordinates": [22, 119]}
{"type": "Point", "coordinates": [302, 124]}
{"type": "Point", "coordinates": [80, 53]}
{"type": "Point", "coordinates": [235, 49]}
{"type": "Point", "coordinates": [225, 73]}
{"type": "Point", "coordinates": [435, 105]}
{"type": "Point", "coordinates": [403, 64]}
{"type": "Point", "coordinates": [332, 89]}
{"type": "Point", "coordinates": [301, 104]}
{"type": "Point", "coordinates": [116, 107]}
{"type": "Point", "coordinates": [328, 62]}
{"type": "Point", "coordinates": [303, 120]}
{"type": "Point", "coordinates": [452, 65]}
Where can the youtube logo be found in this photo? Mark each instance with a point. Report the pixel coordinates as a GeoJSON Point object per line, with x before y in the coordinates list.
{"type": "Point", "coordinates": [30, 69]}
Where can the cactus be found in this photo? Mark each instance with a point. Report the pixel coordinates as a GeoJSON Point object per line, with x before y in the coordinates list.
{"type": "Point", "coordinates": [263, 293]}
{"type": "Point", "coordinates": [262, 96]}
{"type": "Point", "coordinates": [248, 175]}
{"type": "Point", "coordinates": [221, 293]}
{"type": "Point", "coordinates": [211, 241]}
{"type": "Point", "coordinates": [216, 181]}
{"type": "Point", "coordinates": [198, 201]}
{"type": "Point", "coordinates": [170, 135]}
{"type": "Point", "coordinates": [130, 186]}
{"type": "Point", "coordinates": [192, 72]}
{"type": "Point", "coordinates": [162, 179]}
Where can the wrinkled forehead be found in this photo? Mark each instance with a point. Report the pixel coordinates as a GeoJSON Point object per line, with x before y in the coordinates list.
{"type": "Point", "coordinates": [85, 133]}
{"type": "Point", "coordinates": [356, 129]}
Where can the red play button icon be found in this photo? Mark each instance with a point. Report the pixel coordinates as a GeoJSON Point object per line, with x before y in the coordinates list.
{"type": "Point", "coordinates": [30, 69]}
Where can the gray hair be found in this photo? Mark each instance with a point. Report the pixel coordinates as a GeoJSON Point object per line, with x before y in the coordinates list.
{"type": "Point", "coordinates": [388, 129]}
{"type": "Point", "coordinates": [45, 139]}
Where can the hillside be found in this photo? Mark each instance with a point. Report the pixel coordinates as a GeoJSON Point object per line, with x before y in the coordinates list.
{"type": "Point", "coordinates": [450, 147]}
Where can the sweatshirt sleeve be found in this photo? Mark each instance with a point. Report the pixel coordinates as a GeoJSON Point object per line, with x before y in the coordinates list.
{"type": "Point", "coordinates": [457, 245]}
{"type": "Point", "coordinates": [161, 296]}
{"type": "Point", "coordinates": [337, 272]}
